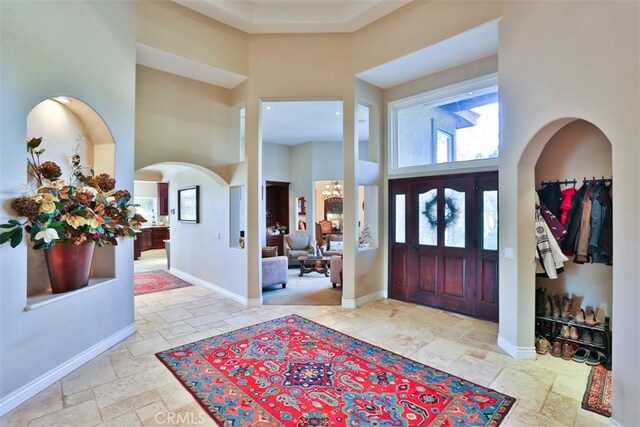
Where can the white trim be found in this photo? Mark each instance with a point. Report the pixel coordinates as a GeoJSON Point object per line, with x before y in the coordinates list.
{"type": "Point", "coordinates": [515, 351]}
{"type": "Point", "coordinates": [614, 423]}
{"type": "Point", "coordinates": [34, 387]}
{"type": "Point", "coordinates": [254, 302]}
{"type": "Point", "coordinates": [41, 300]}
{"type": "Point", "coordinates": [358, 302]}
{"type": "Point", "coordinates": [215, 288]}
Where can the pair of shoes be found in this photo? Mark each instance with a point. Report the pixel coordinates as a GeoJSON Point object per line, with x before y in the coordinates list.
{"type": "Point", "coordinates": [565, 332]}
{"type": "Point", "coordinates": [540, 301]}
{"type": "Point", "coordinates": [580, 355]}
{"type": "Point", "coordinates": [554, 302]}
{"type": "Point", "coordinates": [587, 335]}
{"type": "Point", "coordinates": [567, 304]}
{"type": "Point", "coordinates": [567, 351]}
{"type": "Point", "coordinates": [573, 333]}
{"type": "Point", "coordinates": [556, 349]}
{"type": "Point", "coordinates": [590, 317]}
{"type": "Point", "coordinates": [542, 345]}
{"type": "Point", "coordinates": [579, 316]}
{"type": "Point", "coordinates": [595, 358]}
{"type": "Point", "coordinates": [598, 338]}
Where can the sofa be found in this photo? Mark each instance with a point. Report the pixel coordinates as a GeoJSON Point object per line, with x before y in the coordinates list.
{"type": "Point", "coordinates": [275, 271]}
{"type": "Point", "coordinates": [296, 245]}
{"type": "Point", "coordinates": [332, 245]}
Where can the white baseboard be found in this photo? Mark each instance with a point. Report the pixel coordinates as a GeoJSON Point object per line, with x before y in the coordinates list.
{"type": "Point", "coordinates": [215, 288]}
{"type": "Point", "coordinates": [614, 423]}
{"type": "Point", "coordinates": [34, 387]}
{"type": "Point", "coordinates": [358, 302]}
{"type": "Point", "coordinates": [515, 351]}
{"type": "Point", "coordinates": [254, 302]}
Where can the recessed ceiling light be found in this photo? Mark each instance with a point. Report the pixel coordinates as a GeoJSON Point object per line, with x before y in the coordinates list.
{"type": "Point", "coordinates": [337, 113]}
{"type": "Point", "coordinates": [469, 93]}
{"type": "Point", "coordinates": [268, 107]}
{"type": "Point", "coordinates": [62, 99]}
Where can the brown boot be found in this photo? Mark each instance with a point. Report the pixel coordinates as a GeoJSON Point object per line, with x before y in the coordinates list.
{"type": "Point", "coordinates": [554, 303]}
{"type": "Point", "coordinates": [567, 304]}
{"type": "Point", "coordinates": [580, 316]}
{"type": "Point", "coordinates": [556, 350]}
{"type": "Point", "coordinates": [567, 351]}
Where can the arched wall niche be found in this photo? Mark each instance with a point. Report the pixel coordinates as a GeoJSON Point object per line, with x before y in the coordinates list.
{"type": "Point", "coordinates": [67, 124]}
{"type": "Point", "coordinates": [527, 182]}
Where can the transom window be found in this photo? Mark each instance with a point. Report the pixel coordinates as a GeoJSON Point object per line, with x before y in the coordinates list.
{"type": "Point", "coordinates": [455, 124]}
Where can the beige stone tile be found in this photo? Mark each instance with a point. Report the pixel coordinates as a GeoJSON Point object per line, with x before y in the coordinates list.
{"type": "Point", "coordinates": [475, 370]}
{"type": "Point", "coordinates": [83, 414]}
{"type": "Point", "coordinates": [126, 420]}
{"type": "Point", "coordinates": [175, 396]}
{"type": "Point", "coordinates": [46, 402]}
{"type": "Point", "coordinates": [439, 353]}
{"type": "Point", "coordinates": [91, 374]}
{"type": "Point", "coordinates": [570, 386]}
{"type": "Point", "coordinates": [77, 398]}
{"type": "Point", "coordinates": [590, 419]}
{"type": "Point", "coordinates": [152, 412]}
{"type": "Point", "coordinates": [560, 408]}
{"type": "Point", "coordinates": [173, 314]}
{"type": "Point", "coordinates": [188, 415]}
{"type": "Point", "coordinates": [124, 388]}
{"type": "Point", "coordinates": [127, 367]}
{"type": "Point", "coordinates": [522, 417]}
{"type": "Point", "coordinates": [129, 405]}
{"type": "Point", "coordinates": [207, 318]}
{"type": "Point", "coordinates": [151, 345]}
{"type": "Point", "coordinates": [525, 388]}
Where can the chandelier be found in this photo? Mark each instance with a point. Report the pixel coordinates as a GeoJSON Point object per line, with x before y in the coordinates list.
{"type": "Point", "coordinates": [334, 189]}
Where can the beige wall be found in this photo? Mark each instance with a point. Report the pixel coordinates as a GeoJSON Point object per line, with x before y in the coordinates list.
{"type": "Point", "coordinates": [172, 28]}
{"type": "Point", "coordinates": [38, 347]}
{"type": "Point", "coordinates": [556, 63]}
{"type": "Point", "coordinates": [182, 120]}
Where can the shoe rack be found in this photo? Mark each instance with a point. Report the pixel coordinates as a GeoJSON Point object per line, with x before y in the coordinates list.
{"type": "Point", "coordinates": [550, 327]}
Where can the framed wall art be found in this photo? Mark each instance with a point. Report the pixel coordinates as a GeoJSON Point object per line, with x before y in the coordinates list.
{"type": "Point", "coordinates": [188, 201]}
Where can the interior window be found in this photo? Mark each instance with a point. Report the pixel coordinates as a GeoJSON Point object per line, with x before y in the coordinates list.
{"type": "Point", "coordinates": [434, 129]}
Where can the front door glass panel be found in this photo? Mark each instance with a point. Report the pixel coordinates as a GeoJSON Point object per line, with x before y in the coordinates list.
{"type": "Point", "coordinates": [428, 214]}
{"type": "Point", "coordinates": [454, 218]}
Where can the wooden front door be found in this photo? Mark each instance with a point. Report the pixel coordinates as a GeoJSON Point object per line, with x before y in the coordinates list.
{"type": "Point", "coordinates": [443, 242]}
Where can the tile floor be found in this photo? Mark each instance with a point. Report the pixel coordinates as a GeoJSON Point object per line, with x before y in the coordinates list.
{"type": "Point", "coordinates": [127, 385]}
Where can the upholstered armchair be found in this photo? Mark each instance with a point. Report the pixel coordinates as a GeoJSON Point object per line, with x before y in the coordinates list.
{"type": "Point", "coordinates": [296, 245]}
{"type": "Point", "coordinates": [335, 270]}
{"type": "Point", "coordinates": [275, 271]}
{"type": "Point", "coordinates": [332, 245]}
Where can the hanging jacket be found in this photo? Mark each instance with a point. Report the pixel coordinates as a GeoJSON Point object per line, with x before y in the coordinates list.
{"type": "Point", "coordinates": [555, 227]}
{"type": "Point", "coordinates": [549, 257]}
{"type": "Point", "coordinates": [550, 196]}
{"type": "Point", "coordinates": [582, 254]}
{"type": "Point", "coordinates": [606, 236]}
{"type": "Point", "coordinates": [565, 204]}
{"type": "Point", "coordinates": [572, 226]}
{"type": "Point", "coordinates": [599, 198]}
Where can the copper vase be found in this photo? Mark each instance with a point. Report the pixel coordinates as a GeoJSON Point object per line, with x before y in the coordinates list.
{"type": "Point", "coordinates": [69, 266]}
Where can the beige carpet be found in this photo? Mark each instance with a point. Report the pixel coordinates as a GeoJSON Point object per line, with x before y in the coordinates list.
{"type": "Point", "coordinates": [310, 289]}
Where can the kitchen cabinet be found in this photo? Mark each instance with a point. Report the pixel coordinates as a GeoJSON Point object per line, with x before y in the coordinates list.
{"type": "Point", "coordinates": [145, 239]}
{"type": "Point", "coordinates": [158, 236]}
{"type": "Point", "coordinates": [163, 198]}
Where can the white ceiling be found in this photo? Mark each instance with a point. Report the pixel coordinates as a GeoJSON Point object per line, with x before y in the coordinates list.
{"type": "Point", "coordinates": [295, 16]}
{"type": "Point", "coordinates": [462, 48]}
{"type": "Point", "coordinates": [297, 122]}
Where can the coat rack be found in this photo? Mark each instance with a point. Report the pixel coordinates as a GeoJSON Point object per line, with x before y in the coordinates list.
{"type": "Point", "coordinates": [585, 180]}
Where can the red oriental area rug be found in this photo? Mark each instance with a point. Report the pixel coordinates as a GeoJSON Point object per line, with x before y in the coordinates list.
{"type": "Point", "coordinates": [597, 396]}
{"type": "Point", "coordinates": [295, 372]}
{"type": "Point", "coordinates": [156, 281]}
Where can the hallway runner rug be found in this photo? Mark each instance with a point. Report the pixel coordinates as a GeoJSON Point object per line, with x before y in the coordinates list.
{"type": "Point", "coordinates": [597, 397]}
{"type": "Point", "coordinates": [294, 372]}
{"type": "Point", "coordinates": [156, 281]}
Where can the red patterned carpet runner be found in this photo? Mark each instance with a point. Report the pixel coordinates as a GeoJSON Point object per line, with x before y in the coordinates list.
{"type": "Point", "coordinates": [294, 372]}
{"type": "Point", "coordinates": [597, 397]}
{"type": "Point", "coordinates": [156, 281]}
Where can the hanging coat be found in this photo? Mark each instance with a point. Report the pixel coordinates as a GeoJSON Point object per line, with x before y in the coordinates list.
{"type": "Point", "coordinates": [550, 196]}
{"type": "Point", "coordinates": [549, 257]}
{"type": "Point", "coordinates": [606, 237]}
{"type": "Point", "coordinates": [565, 204]}
{"type": "Point", "coordinates": [582, 254]}
{"type": "Point", "coordinates": [572, 226]}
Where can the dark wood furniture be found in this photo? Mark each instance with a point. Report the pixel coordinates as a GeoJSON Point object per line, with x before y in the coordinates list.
{"type": "Point", "coordinates": [277, 204]}
{"type": "Point", "coordinates": [158, 236]}
{"type": "Point", "coordinates": [137, 250]}
{"type": "Point", "coordinates": [278, 241]}
{"type": "Point", "coordinates": [310, 264]}
{"type": "Point", "coordinates": [163, 198]}
{"type": "Point", "coordinates": [150, 238]}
